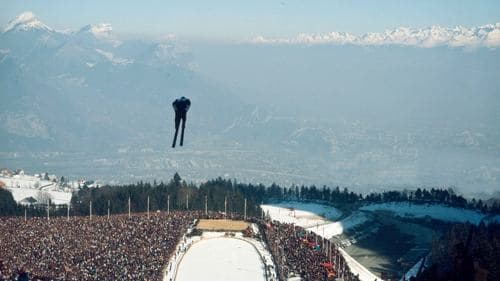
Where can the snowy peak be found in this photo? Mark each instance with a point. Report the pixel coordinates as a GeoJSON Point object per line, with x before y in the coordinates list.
{"type": "Point", "coordinates": [101, 30]}
{"type": "Point", "coordinates": [434, 36]}
{"type": "Point", "coordinates": [26, 21]}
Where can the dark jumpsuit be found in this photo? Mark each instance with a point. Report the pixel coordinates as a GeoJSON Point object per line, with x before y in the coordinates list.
{"type": "Point", "coordinates": [181, 107]}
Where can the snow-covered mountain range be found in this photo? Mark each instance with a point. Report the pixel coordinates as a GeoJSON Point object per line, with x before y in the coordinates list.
{"type": "Point", "coordinates": [481, 36]}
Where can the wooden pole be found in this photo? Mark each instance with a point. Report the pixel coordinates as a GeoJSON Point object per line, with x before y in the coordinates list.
{"type": "Point", "coordinates": [25, 214]}
{"type": "Point", "coordinates": [168, 204]}
{"type": "Point", "coordinates": [108, 209]}
{"type": "Point", "coordinates": [148, 207]}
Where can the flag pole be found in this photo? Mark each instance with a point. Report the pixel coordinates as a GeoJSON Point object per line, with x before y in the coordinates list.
{"type": "Point", "coordinates": [245, 213]}
{"type": "Point", "coordinates": [129, 207]}
{"type": "Point", "coordinates": [225, 207]}
{"type": "Point", "coordinates": [206, 206]}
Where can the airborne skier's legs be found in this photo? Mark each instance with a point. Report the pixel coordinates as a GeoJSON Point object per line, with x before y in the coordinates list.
{"type": "Point", "coordinates": [183, 126]}
{"type": "Point", "coordinates": [181, 107]}
{"type": "Point", "coordinates": [177, 123]}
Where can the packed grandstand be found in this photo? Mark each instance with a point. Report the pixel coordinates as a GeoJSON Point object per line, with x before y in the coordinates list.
{"type": "Point", "coordinates": [140, 247]}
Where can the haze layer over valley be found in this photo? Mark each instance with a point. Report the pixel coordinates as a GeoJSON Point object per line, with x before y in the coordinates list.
{"type": "Point", "coordinates": [88, 103]}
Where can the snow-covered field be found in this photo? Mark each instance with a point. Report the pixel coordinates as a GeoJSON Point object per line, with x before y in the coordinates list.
{"type": "Point", "coordinates": [56, 197]}
{"type": "Point", "coordinates": [23, 186]}
{"type": "Point", "coordinates": [26, 181]}
{"type": "Point", "coordinates": [438, 212]}
{"type": "Point", "coordinates": [304, 214]}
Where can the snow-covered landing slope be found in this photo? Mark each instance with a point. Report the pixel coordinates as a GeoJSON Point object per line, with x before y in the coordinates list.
{"type": "Point", "coordinates": [221, 259]}
{"type": "Point", "coordinates": [438, 212]}
{"type": "Point", "coordinates": [229, 264]}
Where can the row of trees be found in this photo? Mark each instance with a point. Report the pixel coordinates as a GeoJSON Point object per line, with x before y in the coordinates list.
{"type": "Point", "coordinates": [217, 194]}
{"type": "Point", "coordinates": [337, 196]}
{"type": "Point", "coordinates": [220, 193]}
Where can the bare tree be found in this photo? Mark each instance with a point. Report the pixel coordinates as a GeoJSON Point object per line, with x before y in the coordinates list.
{"type": "Point", "coordinates": [43, 197]}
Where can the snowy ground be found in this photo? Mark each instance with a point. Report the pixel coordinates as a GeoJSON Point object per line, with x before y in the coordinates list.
{"type": "Point", "coordinates": [303, 214]}
{"type": "Point", "coordinates": [318, 218]}
{"type": "Point", "coordinates": [217, 257]}
{"type": "Point", "coordinates": [25, 181]}
{"type": "Point", "coordinates": [414, 270]}
{"type": "Point", "coordinates": [308, 215]}
{"type": "Point", "coordinates": [330, 229]}
{"type": "Point", "coordinates": [438, 212]}
{"type": "Point", "coordinates": [24, 186]}
{"type": "Point", "coordinates": [56, 197]}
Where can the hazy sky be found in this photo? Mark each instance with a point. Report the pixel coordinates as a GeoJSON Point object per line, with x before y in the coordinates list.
{"type": "Point", "coordinates": [230, 19]}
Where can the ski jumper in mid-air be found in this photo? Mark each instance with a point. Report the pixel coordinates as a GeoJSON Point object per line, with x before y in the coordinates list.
{"type": "Point", "coordinates": [181, 107]}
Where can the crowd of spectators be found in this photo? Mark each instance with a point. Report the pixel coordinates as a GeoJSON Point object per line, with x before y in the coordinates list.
{"type": "Point", "coordinates": [139, 247]}
{"type": "Point", "coordinates": [298, 252]}
{"type": "Point", "coordinates": [83, 248]}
